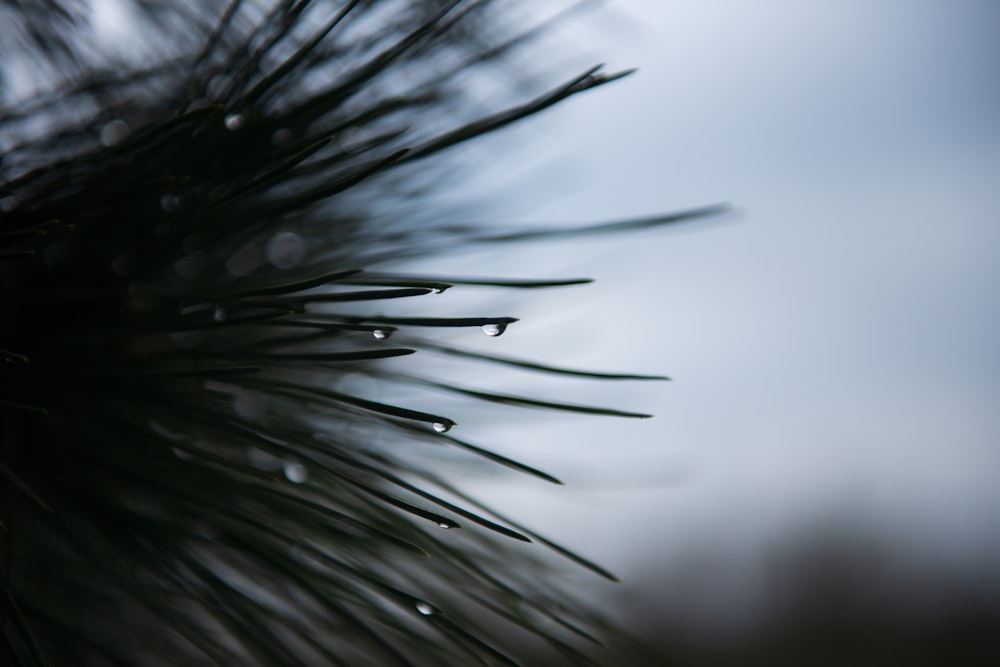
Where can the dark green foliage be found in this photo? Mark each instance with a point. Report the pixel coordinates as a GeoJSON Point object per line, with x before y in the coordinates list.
{"type": "Point", "coordinates": [188, 241]}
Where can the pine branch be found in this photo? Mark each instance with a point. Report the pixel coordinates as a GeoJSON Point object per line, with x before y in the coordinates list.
{"type": "Point", "coordinates": [186, 477]}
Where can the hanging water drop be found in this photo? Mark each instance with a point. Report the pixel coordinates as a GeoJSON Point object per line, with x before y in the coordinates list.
{"type": "Point", "coordinates": [424, 608]}
{"type": "Point", "coordinates": [380, 334]}
{"type": "Point", "coordinates": [234, 121]}
{"type": "Point", "coordinates": [441, 427]}
{"type": "Point", "coordinates": [114, 132]}
{"type": "Point", "coordinates": [494, 329]}
{"type": "Point", "coordinates": [219, 313]}
{"type": "Point", "coordinates": [445, 525]}
{"type": "Point", "coordinates": [286, 250]}
{"type": "Point", "coordinates": [295, 472]}
{"type": "Point", "coordinates": [170, 202]}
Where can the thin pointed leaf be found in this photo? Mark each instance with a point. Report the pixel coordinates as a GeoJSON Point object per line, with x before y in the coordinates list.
{"type": "Point", "coordinates": [437, 281]}
{"type": "Point", "coordinates": [486, 453]}
{"type": "Point", "coordinates": [294, 286]}
{"type": "Point", "coordinates": [357, 355]}
{"type": "Point", "coordinates": [366, 295]}
{"type": "Point", "coordinates": [578, 657]}
{"type": "Point", "coordinates": [213, 39]}
{"type": "Point", "coordinates": [531, 402]}
{"type": "Point", "coordinates": [274, 174]}
{"type": "Point", "coordinates": [373, 406]}
{"type": "Point", "coordinates": [269, 80]}
{"type": "Point", "coordinates": [533, 366]}
{"type": "Point", "coordinates": [208, 371]}
{"type": "Point", "coordinates": [446, 625]}
{"type": "Point", "coordinates": [206, 321]}
{"type": "Point", "coordinates": [585, 81]}
{"type": "Point", "coordinates": [608, 227]}
{"type": "Point", "coordinates": [386, 475]}
{"type": "Point", "coordinates": [419, 321]}
{"type": "Point", "coordinates": [345, 89]}
{"type": "Point", "coordinates": [576, 558]}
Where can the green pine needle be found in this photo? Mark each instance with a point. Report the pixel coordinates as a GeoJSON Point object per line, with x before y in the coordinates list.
{"type": "Point", "coordinates": [186, 476]}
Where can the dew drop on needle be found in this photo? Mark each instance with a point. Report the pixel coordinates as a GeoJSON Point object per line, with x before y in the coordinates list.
{"type": "Point", "coordinates": [494, 329]}
{"type": "Point", "coordinates": [233, 121]}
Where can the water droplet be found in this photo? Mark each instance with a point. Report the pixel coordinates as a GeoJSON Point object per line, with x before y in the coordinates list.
{"type": "Point", "coordinates": [295, 472]}
{"type": "Point", "coordinates": [441, 427]}
{"type": "Point", "coordinates": [219, 312]}
{"type": "Point", "coordinates": [445, 525]}
{"type": "Point", "coordinates": [424, 608]}
{"type": "Point", "coordinates": [494, 329]}
{"type": "Point", "coordinates": [380, 334]}
{"type": "Point", "coordinates": [286, 250]}
{"type": "Point", "coordinates": [234, 121]}
{"type": "Point", "coordinates": [114, 132]}
{"type": "Point", "coordinates": [170, 202]}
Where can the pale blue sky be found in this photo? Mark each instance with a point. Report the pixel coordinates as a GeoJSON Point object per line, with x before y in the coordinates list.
{"type": "Point", "coordinates": [833, 343]}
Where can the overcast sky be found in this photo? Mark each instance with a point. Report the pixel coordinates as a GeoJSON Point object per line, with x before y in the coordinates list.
{"type": "Point", "coordinates": [832, 341]}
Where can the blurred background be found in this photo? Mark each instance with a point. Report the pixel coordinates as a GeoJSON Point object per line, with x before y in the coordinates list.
{"type": "Point", "coordinates": [821, 484]}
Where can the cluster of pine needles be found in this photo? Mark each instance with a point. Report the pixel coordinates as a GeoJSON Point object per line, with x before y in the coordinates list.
{"type": "Point", "coordinates": [197, 232]}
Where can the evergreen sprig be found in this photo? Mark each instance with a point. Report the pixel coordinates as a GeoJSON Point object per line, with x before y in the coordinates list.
{"type": "Point", "coordinates": [193, 240]}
